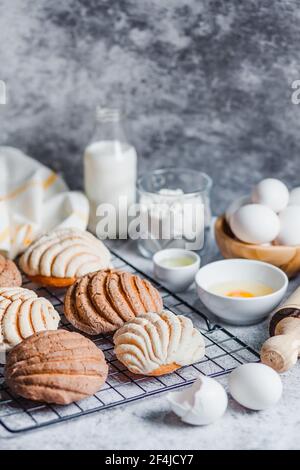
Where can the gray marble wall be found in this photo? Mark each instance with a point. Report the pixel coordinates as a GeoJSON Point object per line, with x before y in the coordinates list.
{"type": "Point", "coordinates": [205, 83]}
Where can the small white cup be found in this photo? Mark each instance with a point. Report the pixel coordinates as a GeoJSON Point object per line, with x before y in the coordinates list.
{"type": "Point", "coordinates": [176, 278]}
{"type": "Point", "coordinates": [238, 310]}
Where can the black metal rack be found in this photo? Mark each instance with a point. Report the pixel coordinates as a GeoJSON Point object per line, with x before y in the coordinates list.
{"type": "Point", "coordinates": [224, 352]}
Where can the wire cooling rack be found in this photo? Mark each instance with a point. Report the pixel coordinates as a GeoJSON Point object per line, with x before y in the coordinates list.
{"type": "Point", "coordinates": [224, 352]}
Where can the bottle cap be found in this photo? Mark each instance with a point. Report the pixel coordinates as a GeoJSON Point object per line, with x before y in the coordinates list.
{"type": "Point", "coordinates": [107, 114]}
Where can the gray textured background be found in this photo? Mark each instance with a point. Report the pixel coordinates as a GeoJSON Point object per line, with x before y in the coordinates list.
{"type": "Point", "coordinates": [205, 83]}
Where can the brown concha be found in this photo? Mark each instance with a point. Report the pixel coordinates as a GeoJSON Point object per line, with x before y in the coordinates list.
{"type": "Point", "coordinates": [56, 367]}
{"type": "Point", "coordinates": [103, 301]}
{"type": "Point", "coordinates": [10, 276]}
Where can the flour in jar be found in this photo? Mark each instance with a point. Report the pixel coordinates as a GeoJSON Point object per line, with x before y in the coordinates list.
{"type": "Point", "coordinates": [171, 218]}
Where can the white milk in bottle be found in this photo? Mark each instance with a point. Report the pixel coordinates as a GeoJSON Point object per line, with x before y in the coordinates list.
{"type": "Point", "coordinates": [110, 170]}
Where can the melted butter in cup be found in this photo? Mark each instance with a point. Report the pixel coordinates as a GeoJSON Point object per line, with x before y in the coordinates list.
{"type": "Point", "coordinates": [176, 268]}
{"type": "Point", "coordinates": [177, 262]}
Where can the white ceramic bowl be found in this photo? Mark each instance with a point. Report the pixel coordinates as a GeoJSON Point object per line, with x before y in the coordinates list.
{"type": "Point", "coordinates": [178, 278]}
{"type": "Point", "coordinates": [237, 310]}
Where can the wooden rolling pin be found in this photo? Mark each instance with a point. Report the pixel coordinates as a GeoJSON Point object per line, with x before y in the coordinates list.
{"type": "Point", "coordinates": [282, 350]}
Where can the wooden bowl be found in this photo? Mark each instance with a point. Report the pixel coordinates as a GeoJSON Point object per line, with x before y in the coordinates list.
{"type": "Point", "coordinates": [286, 258]}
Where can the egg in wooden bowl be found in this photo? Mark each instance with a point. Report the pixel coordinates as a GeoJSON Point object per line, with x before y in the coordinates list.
{"type": "Point", "coordinates": [285, 257]}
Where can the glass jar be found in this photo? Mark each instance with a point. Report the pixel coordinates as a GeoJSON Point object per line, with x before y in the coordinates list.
{"type": "Point", "coordinates": [175, 209]}
{"type": "Point", "coordinates": [110, 169]}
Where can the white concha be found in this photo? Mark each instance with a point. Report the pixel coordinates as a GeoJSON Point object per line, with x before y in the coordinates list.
{"type": "Point", "coordinates": [22, 314]}
{"type": "Point", "coordinates": [15, 293]}
{"type": "Point", "coordinates": [65, 253]}
{"type": "Point", "coordinates": [155, 344]}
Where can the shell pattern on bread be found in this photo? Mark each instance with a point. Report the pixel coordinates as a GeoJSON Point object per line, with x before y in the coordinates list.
{"type": "Point", "coordinates": [65, 253]}
{"type": "Point", "coordinates": [102, 302]}
{"type": "Point", "coordinates": [56, 367]}
{"type": "Point", "coordinates": [157, 344]}
{"type": "Point", "coordinates": [10, 276]}
{"type": "Point", "coordinates": [23, 313]}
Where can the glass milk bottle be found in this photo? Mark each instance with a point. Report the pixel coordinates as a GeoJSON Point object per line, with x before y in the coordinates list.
{"type": "Point", "coordinates": [110, 169]}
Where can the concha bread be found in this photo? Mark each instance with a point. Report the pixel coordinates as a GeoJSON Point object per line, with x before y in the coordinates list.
{"type": "Point", "coordinates": [23, 313]}
{"type": "Point", "coordinates": [65, 253]}
{"type": "Point", "coordinates": [157, 344]}
{"type": "Point", "coordinates": [56, 367]}
{"type": "Point", "coordinates": [10, 276]}
{"type": "Point", "coordinates": [103, 301]}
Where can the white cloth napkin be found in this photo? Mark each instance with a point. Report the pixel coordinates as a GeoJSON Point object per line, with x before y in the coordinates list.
{"type": "Point", "coordinates": [34, 200]}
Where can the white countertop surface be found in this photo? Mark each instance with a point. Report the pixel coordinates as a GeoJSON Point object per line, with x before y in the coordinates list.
{"type": "Point", "coordinates": [149, 423]}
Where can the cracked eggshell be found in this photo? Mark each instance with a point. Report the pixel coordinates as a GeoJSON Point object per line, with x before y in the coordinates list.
{"type": "Point", "coordinates": [235, 205]}
{"type": "Point", "coordinates": [202, 403]}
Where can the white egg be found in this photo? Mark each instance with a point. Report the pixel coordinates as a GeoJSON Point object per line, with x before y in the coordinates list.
{"type": "Point", "coordinates": [255, 386]}
{"type": "Point", "coordinates": [203, 403]}
{"type": "Point", "coordinates": [255, 224]}
{"type": "Point", "coordinates": [289, 233]}
{"type": "Point", "coordinates": [272, 193]}
{"type": "Point", "coordinates": [295, 197]}
{"type": "Point", "coordinates": [235, 205]}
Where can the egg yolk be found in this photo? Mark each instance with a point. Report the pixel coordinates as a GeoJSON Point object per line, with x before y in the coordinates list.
{"type": "Point", "coordinates": [240, 293]}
